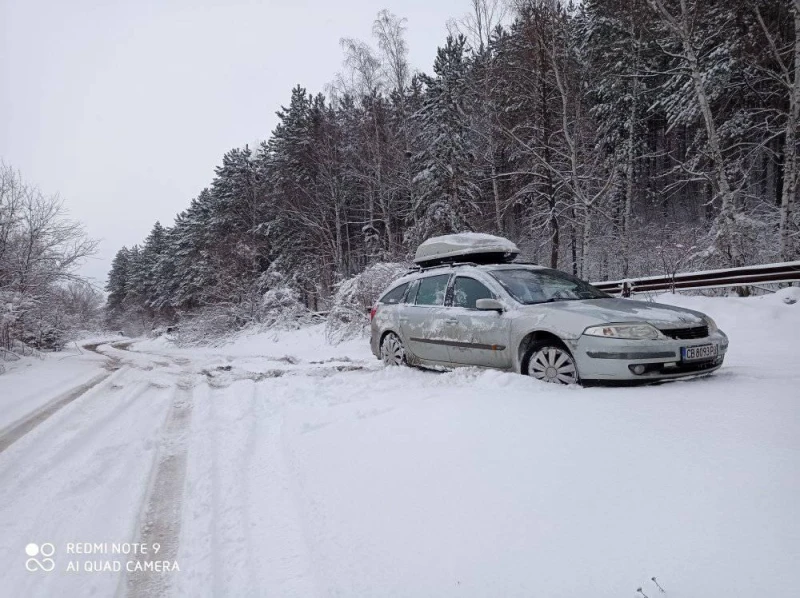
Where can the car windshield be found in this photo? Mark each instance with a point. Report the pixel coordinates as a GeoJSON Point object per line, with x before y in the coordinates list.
{"type": "Point", "coordinates": [544, 286]}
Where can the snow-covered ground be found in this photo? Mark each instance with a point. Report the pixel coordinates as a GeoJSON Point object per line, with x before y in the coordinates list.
{"type": "Point", "coordinates": [281, 466]}
{"type": "Point", "coordinates": [32, 382]}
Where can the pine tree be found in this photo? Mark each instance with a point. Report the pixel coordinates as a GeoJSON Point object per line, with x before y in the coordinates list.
{"type": "Point", "coordinates": [619, 46]}
{"type": "Point", "coordinates": [448, 197]}
{"type": "Point", "coordinates": [117, 286]}
{"type": "Point", "coordinates": [193, 276]}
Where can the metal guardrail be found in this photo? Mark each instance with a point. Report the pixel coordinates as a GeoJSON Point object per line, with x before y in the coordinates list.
{"type": "Point", "coordinates": [709, 279]}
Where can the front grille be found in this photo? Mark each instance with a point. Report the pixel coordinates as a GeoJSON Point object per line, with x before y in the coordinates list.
{"type": "Point", "coordinates": [686, 333]}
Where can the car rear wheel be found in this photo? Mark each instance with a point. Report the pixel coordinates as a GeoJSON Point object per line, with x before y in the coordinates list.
{"type": "Point", "coordinates": [392, 350]}
{"type": "Point", "coordinates": [553, 363]}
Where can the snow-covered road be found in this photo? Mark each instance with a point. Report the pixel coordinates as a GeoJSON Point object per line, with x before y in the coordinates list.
{"type": "Point", "coordinates": [281, 466]}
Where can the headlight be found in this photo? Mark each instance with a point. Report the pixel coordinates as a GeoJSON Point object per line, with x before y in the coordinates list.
{"type": "Point", "coordinates": [712, 325]}
{"type": "Point", "coordinates": [629, 331]}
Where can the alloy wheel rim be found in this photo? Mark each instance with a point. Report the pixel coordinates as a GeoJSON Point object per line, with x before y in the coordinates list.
{"type": "Point", "coordinates": [554, 365]}
{"type": "Point", "coordinates": [393, 352]}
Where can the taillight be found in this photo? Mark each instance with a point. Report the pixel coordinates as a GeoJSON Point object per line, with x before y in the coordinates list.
{"type": "Point", "coordinates": [373, 311]}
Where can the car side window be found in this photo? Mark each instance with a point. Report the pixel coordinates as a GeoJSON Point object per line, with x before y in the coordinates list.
{"type": "Point", "coordinates": [431, 290]}
{"type": "Point", "coordinates": [395, 295]}
{"type": "Point", "coordinates": [467, 291]}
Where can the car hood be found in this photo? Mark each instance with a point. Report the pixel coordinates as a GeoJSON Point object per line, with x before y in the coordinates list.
{"type": "Point", "coordinates": [602, 311]}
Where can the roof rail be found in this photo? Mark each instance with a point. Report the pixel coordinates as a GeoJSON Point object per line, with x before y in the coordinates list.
{"type": "Point", "coordinates": [525, 263]}
{"type": "Point", "coordinates": [422, 268]}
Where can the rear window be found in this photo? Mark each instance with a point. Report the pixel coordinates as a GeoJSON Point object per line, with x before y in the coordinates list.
{"type": "Point", "coordinates": [432, 290]}
{"type": "Point", "coordinates": [395, 295]}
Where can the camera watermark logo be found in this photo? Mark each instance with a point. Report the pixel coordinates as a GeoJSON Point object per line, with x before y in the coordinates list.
{"type": "Point", "coordinates": [45, 551]}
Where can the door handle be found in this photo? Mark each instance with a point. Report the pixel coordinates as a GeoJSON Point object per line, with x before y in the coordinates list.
{"type": "Point", "coordinates": [451, 321]}
{"type": "Point", "coordinates": [403, 320]}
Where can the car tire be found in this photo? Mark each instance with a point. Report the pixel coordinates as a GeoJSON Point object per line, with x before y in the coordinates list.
{"type": "Point", "coordinates": [551, 361]}
{"type": "Point", "coordinates": [393, 352]}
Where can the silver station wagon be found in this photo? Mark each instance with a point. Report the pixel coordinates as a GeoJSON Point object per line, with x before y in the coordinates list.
{"type": "Point", "coordinates": [470, 304]}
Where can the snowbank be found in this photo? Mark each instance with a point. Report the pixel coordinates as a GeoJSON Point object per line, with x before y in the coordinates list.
{"type": "Point", "coordinates": [306, 344]}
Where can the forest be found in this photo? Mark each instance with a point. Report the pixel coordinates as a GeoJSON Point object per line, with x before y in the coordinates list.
{"type": "Point", "coordinates": [607, 138]}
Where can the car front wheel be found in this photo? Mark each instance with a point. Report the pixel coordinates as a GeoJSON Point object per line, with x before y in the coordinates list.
{"type": "Point", "coordinates": [550, 362]}
{"type": "Point", "coordinates": [392, 350]}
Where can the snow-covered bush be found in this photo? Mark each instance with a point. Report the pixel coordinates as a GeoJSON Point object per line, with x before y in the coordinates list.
{"type": "Point", "coordinates": [205, 326]}
{"type": "Point", "coordinates": [279, 307]}
{"type": "Point", "coordinates": [282, 308]}
{"type": "Point", "coordinates": [49, 321]}
{"type": "Point", "coordinates": [349, 315]}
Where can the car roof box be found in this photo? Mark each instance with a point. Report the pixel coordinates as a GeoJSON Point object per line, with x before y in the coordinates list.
{"type": "Point", "coordinates": [478, 248]}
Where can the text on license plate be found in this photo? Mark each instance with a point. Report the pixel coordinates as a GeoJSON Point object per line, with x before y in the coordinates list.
{"type": "Point", "coordinates": [698, 352]}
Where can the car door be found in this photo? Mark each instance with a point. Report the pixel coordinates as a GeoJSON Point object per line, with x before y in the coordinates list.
{"type": "Point", "coordinates": [422, 319]}
{"type": "Point", "coordinates": [476, 337]}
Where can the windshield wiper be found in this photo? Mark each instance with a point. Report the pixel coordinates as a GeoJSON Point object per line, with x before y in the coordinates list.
{"type": "Point", "coordinates": [554, 299]}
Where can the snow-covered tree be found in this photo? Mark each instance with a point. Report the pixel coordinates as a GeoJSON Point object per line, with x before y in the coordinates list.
{"type": "Point", "coordinates": [593, 134]}
{"type": "Point", "coordinates": [448, 193]}
{"type": "Point", "coordinates": [41, 249]}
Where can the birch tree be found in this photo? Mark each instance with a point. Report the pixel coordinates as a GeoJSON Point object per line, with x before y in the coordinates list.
{"type": "Point", "coordinates": [786, 58]}
{"type": "Point", "coordinates": [678, 18]}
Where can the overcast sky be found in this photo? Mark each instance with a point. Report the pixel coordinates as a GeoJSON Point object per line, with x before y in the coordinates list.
{"type": "Point", "coordinates": [125, 108]}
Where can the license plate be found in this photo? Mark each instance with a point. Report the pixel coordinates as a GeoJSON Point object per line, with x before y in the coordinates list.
{"type": "Point", "coordinates": [699, 352]}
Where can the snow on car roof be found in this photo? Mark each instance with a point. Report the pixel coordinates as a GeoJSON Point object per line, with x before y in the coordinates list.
{"type": "Point", "coordinates": [468, 245]}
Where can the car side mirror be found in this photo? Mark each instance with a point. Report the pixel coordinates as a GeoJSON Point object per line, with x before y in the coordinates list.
{"type": "Point", "coordinates": [489, 305]}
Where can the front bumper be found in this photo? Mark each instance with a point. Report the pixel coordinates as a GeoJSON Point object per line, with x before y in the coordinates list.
{"type": "Point", "coordinates": [600, 358]}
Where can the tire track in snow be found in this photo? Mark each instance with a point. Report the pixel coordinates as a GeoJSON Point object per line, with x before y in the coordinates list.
{"type": "Point", "coordinates": [160, 520]}
{"type": "Point", "coordinates": [289, 566]}
{"type": "Point", "coordinates": [18, 429]}
{"type": "Point", "coordinates": [242, 534]}
{"type": "Point", "coordinates": [231, 417]}
{"type": "Point", "coordinates": [81, 475]}
{"type": "Point", "coordinates": [70, 431]}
